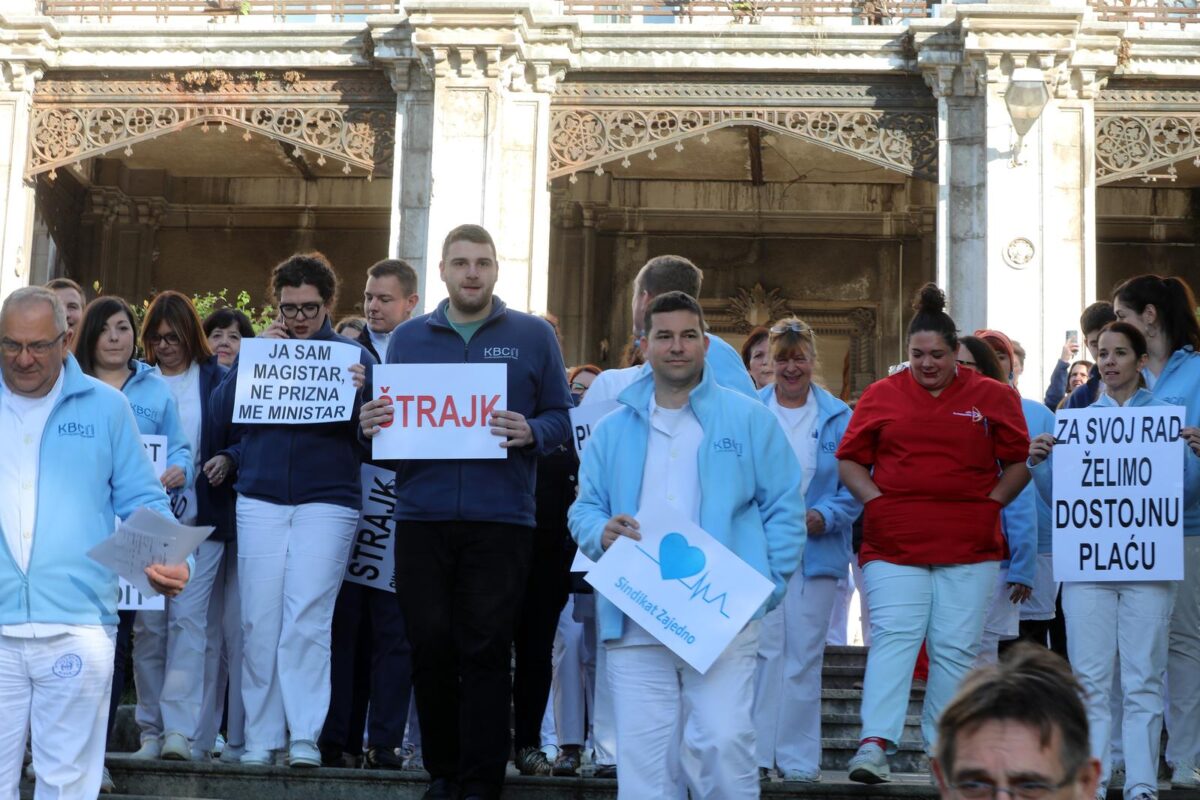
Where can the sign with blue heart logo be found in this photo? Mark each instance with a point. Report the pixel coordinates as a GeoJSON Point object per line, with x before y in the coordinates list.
{"type": "Point", "coordinates": [677, 558]}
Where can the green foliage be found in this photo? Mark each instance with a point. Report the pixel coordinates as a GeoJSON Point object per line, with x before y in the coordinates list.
{"type": "Point", "coordinates": [209, 302]}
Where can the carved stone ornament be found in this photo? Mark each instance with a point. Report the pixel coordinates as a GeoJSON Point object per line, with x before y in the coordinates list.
{"type": "Point", "coordinates": [1129, 146]}
{"type": "Point", "coordinates": [75, 120]}
{"type": "Point", "coordinates": [587, 137]}
{"type": "Point", "coordinates": [1018, 253]}
{"type": "Point", "coordinates": [757, 307]}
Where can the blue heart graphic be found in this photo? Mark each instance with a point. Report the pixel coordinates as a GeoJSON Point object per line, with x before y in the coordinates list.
{"type": "Point", "coordinates": [678, 559]}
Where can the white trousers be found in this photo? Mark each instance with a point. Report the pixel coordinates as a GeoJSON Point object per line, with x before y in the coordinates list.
{"type": "Point", "coordinates": [60, 687]}
{"type": "Point", "coordinates": [223, 658]}
{"type": "Point", "coordinates": [604, 732]}
{"type": "Point", "coordinates": [291, 560]}
{"type": "Point", "coordinates": [941, 606]}
{"type": "Point", "coordinates": [1003, 622]}
{"type": "Point", "coordinates": [168, 653]}
{"type": "Point", "coordinates": [650, 688]}
{"type": "Point", "coordinates": [864, 608]}
{"type": "Point", "coordinates": [787, 685]}
{"type": "Point", "coordinates": [574, 678]}
{"type": "Point", "coordinates": [1183, 662]}
{"type": "Point", "coordinates": [1129, 620]}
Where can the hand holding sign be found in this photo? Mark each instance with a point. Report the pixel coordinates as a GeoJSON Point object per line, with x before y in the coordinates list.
{"type": "Point", "coordinates": [168, 580]}
{"type": "Point", "coordinates": [375, 415]}
{"type": "Point", "coordinates": [513, 427]}
{"type": "Point", "coordinates": [618, 526]}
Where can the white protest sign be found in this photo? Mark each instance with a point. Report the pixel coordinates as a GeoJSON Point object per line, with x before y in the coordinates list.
{"type": "Point", "coordinates": [684, 587]}
{"type": "Point", "coordinates": [441, 410]}
{"type": "Point", "coordinates": [130, 598]}
{"type": "Point", "coordinates": [584, 418]}
{"type": "Point", "coordinates": [294, 381]}
{"type": "Point", "coordinates": [372, 560]}
{"type": "Point", "coordinates": [1118, 494]}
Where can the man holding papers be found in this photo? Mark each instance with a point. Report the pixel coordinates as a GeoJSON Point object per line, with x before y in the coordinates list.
{"type": "Point", "coordinates": [72, 459]}
{"type": "Point", "coordinates": [464, 525]}
{"type": "Point", "coordinates": [683, 447]}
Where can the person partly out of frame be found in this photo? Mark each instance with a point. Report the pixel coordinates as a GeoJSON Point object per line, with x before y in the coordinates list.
{"type": "Point", "coordinates": [66, 435]}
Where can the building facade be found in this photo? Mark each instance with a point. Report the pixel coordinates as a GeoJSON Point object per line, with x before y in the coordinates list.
{"type": "Point", "coordinates": [817, 158]}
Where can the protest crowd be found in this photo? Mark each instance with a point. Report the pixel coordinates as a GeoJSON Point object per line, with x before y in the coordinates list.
{"type": "Point", "coordinates": [427, 543]}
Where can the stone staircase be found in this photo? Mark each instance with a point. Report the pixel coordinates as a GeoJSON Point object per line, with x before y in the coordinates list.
{"type": "Point", "coordinates": [840, 703]}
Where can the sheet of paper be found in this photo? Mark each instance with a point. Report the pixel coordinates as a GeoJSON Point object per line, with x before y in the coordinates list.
{"type": "Point", "coordinates": [144, 539]}
{"type": "Point", "coordinates": [294, 381]}
{"type": "Point", "coordinates": [1118, 494]}
{"type": "Point", "coordinates": [372, 553]}
{"type": "Point", "coordinates": [441, 410]}
{"type": "Point", "coordinates": [584, 418]}
{"type": "Point", "coordinates": [683, 586]}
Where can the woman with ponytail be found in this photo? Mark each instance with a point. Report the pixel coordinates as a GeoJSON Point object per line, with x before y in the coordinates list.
{"type": "Point", "coordinates": [934, 453]}
{"type": "Point", "coordinates": [1163, 310]}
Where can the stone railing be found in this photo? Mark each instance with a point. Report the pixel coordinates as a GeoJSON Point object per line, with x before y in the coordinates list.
{"type": "Point", "coordinates": [107, 10]}
{"type": "Point", "coordinates": [1156, 13]}
{"type": "Point", "coordinates": [862, 12]}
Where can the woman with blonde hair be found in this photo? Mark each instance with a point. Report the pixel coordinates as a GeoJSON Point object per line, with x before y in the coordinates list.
{"type": "Point", "coordinates": [792, 639]}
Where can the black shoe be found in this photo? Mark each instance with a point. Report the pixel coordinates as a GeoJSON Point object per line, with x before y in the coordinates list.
{"type": "Point", "coordinates": [439, 789]}
{"type": "Point", "coordinates": [568, 761]}
{"type": "Point", "coordinates": [383, 758]}
{"type": "Point", "coordinates": [331, 755]}
{"type": "Point", "coordinates": [532, 761]}
{"type": "Point", "coordinates": [606, 771]}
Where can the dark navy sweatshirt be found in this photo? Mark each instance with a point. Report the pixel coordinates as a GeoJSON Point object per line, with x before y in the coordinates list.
{"type": "Point", "coordinates": [295, 464]}
{"type": "Point", "coordinates": [486, 490]}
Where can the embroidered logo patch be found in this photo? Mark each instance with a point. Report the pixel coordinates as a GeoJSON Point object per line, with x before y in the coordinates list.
{"type": "Point", "coordinates": [68, 666]}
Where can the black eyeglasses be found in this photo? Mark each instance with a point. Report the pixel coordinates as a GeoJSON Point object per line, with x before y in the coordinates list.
{"type": "Point", "coordinates": [1030, 790]}
{"type": "Point", "coordinates": [302, 310]}
{"type": "Point", "coordinates": [169, 339]}
{"type": "Point", "coordinates": [12, 348]}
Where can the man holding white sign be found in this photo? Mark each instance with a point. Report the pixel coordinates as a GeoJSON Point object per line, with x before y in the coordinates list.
{"type": "Point", "coordinates": [73, 459]}
{"type": "Point", "coordinates": [684, 448]}
{"type": "Point", "coordinates": [464, 530]}
{"type": "Point", "coordinates": [1121, 477]}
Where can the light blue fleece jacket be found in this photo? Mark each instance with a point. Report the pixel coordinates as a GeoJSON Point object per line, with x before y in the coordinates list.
{"type": "Point", "coordinates": [827, 555]}
{"type": "Point", "coordinates": [1019, 521]}
{"type": "Point", "coordinates": [156, 413]}
{"type": "Point", "coordinates": [1039, 419]}
{"type": "Point", "coordinates": [1179, 385]}
{"type": "Point", "coordinates": [92, 467]}
{"type": "Point", "coordinates": [1043, 473]}
{"type": "Point", "coordinates": [749, 483]}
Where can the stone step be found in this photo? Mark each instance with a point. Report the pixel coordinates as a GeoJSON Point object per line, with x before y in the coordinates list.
{"type": "Point", "coordinates": [849, 726]}
{"type": "Point", "coordinates": [845, 656]}
{"type": "Point", "coordinates": [849, 701]}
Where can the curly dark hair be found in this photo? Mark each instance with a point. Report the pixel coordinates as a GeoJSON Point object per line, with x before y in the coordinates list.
{"type": "Point", "coordinates": [311, 268]}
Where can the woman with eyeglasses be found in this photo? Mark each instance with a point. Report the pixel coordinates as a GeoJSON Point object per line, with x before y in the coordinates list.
{"type": "Point", "coordinates": [225, 329]}
{"type": "Point", "coordinates": [934, 453]}
{"type": "Point", "coordinates": [1164, 312]}
{"type": "Point", "coordinates": [1125, 622]}
{"type": "Point", "coordinates": [580, 380]}
{"type": "Point", "coordinates": [105, 349]}
{"type": "Point", "coordinates": [791, 643]}
{"type": "Point", "coordinates": [169, 649]}
{"type": "Point", "coordinates": [299, 496]}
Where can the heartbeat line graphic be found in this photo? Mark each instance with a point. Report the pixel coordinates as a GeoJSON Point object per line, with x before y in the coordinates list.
{"type": "Point", "coordinates": [698, 588]}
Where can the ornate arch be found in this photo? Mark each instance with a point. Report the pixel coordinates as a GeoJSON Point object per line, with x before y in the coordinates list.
{"type": "Point", "coordinates": [589, 137]}
{"type": "Point", "coordinates": [339, 119]}
{"type": "Point", "coordinates": [1132, 145]}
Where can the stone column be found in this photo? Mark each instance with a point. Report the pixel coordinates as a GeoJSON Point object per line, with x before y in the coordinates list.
{"type": "Point", "coordinates": [490, 140]}
{"type": "Point", "coordinates": [17, 201]}
{"type": "Point", "coordinates": [1016, 231]}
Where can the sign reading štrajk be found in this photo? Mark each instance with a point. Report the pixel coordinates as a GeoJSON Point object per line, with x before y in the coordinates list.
{"type": "Point", "coordinates": [372, 555]}
{"type": "Point", "coordinates": [294, 381]}
{"type": "Point", "coordinates": [683, 586]}
{"type": "Point", "coordinates": [441, 410]}
{"type": "Point", "coordinates": [1118, 494]}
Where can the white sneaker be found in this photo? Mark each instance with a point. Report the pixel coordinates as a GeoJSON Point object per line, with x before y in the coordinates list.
{"type": "Point", "coordinates": [257, 758]}
{"type": "Point", "coordinates": [219, 745]}
{"type": "Point", "coordinates": [150, 750]}
{"type": "Point", "coordinates": [870, 765]}
{"type": "Point", "coordinates": [800, 776]}
{"type": "Point", "coordinates": [304, 753]}
{"type": "Point", "coordinates": [175, 747]}
{"type": "Point", "coordinates": [106, 782]}
{"type": "Point", "coordinates": [1185, 776]}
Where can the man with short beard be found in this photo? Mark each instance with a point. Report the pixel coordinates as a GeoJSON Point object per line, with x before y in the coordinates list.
{"type": "Point", "coordinates": [464, 528]}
